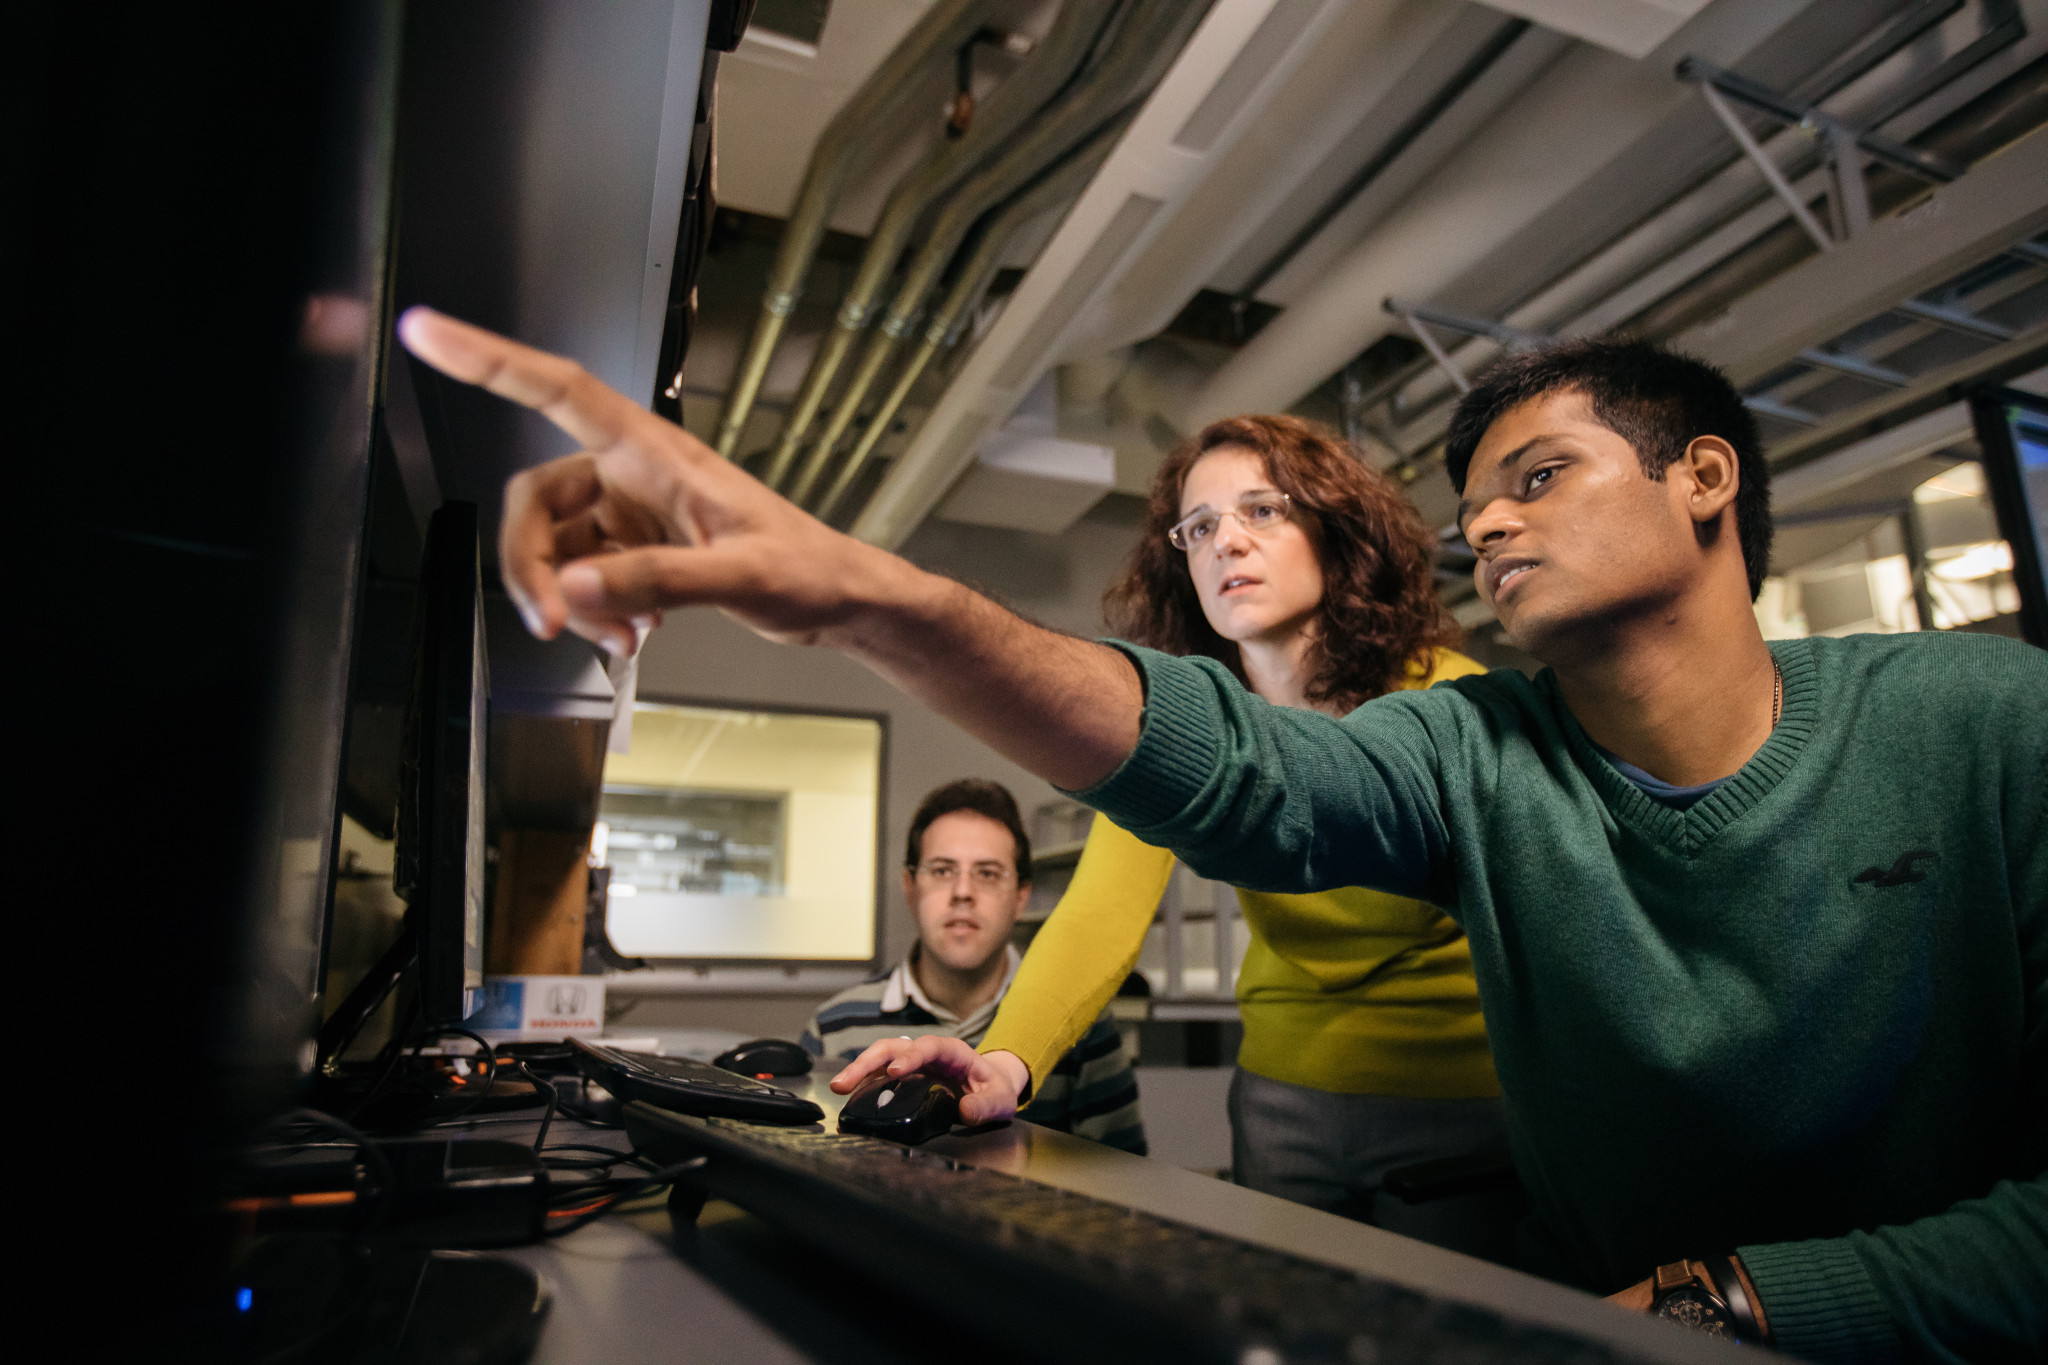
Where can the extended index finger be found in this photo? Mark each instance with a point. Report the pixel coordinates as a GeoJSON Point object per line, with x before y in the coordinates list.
{"type": "Point", "coordinates": [557, 388]}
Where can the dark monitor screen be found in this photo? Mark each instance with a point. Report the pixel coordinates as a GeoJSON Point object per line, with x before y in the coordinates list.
{"type": "Point", "coordinates": [440, 854]}
{"type": "Point", "coordinates": [2012, 430]}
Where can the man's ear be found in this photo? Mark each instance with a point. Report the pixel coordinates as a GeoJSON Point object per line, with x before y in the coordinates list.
{"type": "Point", "coordinates": [1713, 476]}
{"type": "Point", "coordinates": [910, 889]}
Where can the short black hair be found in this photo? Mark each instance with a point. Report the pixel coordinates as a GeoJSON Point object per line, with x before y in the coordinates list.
{"type": "Point", "coordinates": [991, 799]}
{"type": "Point", "coordinates": [1655, 399]}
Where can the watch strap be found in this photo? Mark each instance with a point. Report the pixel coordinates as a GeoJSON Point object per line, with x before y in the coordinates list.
{"type": "Point", "coordinates": [1679, 1275]}
{"type": "Point", "coordinates": [1733, 1288]}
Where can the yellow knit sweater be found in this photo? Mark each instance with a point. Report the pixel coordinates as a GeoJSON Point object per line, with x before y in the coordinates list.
{"type": "Point", "coordinates": [1351, 991]}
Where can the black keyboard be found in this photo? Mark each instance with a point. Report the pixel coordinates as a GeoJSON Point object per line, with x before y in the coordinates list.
{"type": "Point", "coordinates": [1070, 1277]}
{"type": "Point", "coordinates": [690, 1087]}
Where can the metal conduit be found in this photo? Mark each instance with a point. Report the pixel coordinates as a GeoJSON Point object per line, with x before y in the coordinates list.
{"type": "Point", "coordinates": [950, 23]}
{"type": "Point", "coordinates": [1672, 225]}
{"type": "Point", "coordinates": [1403, 137]}
{"type": "Point", "coordinates": [1144, 31]}
{"type": "Point", "coordinates": [1064, 182]}
{"type": "Point", "coordinates": [872, 362]}
{"type": "Point", "coordinates": [1049, 68]}
{"type": "Point", "coordinates": [1615, 270]}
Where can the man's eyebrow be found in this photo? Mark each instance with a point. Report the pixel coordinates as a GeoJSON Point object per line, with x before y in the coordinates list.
{"type": "Point", "coordinates": [1507, 461]}
{"type": "Point", "coordinates": [1523, 449]}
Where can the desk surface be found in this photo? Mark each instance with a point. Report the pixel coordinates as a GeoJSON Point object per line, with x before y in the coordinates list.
{"type": "Point", "coordinates": [626, 1291]}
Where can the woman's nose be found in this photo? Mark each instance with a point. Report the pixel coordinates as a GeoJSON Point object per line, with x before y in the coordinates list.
{"type": "Point", "coordinates": [1230, 538]}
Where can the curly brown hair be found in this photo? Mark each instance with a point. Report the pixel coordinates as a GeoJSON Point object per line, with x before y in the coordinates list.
{"type": "Point", "coordinates": [1379, 614]}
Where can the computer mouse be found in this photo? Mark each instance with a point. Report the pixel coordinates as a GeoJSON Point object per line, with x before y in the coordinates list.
{"type": "Point", "coordinates": [765, 1057]}
{"type": "Point", "coordinates": [907, 1109]}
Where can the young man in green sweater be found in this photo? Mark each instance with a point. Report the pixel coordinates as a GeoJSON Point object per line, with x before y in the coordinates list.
{"type": "Point", "coordinates": [1761, 934]}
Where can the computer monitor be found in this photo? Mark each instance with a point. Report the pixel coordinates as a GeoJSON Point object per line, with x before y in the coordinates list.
{"type": "Point", "coordinates": [2012, 432]}
{"type": "Point", "coordinates": [438, 860]}
{"type": "Point", "coordinates": [439, 867]}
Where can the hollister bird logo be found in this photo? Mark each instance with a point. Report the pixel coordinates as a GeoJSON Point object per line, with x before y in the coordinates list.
{"type": "Point", "coordinates": [1899, 873]}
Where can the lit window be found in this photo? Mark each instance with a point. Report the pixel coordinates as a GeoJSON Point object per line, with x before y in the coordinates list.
{"type": "Point", "coordinates": [742, 835]}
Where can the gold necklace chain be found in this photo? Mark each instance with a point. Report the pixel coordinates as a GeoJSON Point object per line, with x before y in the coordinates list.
{"type": "Point", "coordinates": [1777, 691]}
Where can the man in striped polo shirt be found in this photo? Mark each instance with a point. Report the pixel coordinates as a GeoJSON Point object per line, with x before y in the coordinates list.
{"type": "Point", "coordinates": [967, 876]}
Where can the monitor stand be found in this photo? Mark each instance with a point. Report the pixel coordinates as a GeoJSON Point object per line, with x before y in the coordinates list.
{"type": "Point", "coordinates": [399, 1102]}
{"type": "Point", "coordinates": [349, 1017]}
{"type": "Point", "coordinates": [321, 1299]}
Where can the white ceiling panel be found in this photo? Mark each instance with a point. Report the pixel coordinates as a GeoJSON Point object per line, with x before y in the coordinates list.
{"type": "Point", "coordinates": [1631, 27]}
{"type": "Point", "coordinates": [775, 97]}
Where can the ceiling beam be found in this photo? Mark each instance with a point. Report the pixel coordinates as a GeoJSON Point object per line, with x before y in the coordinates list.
{"type": "Point", "coordinates": [1817, 480]}
{"type": "Point", "coordinates": [1935, 389]}
{"type": "Point", "coordinates": [2002, 200]}
{"type": "Point", "coordinates": [1236, 63]}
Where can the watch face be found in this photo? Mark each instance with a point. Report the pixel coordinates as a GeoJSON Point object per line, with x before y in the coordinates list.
{"type": "Point", "coordinates": [1699, 1310]}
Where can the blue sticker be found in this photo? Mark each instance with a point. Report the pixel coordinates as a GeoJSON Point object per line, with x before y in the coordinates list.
{"type": "Point", "coordinates": [504, 1005]}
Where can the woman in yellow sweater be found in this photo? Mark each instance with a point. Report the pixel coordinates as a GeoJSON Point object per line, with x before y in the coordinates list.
{"type": "Point", "coordinates": [1271, 547]}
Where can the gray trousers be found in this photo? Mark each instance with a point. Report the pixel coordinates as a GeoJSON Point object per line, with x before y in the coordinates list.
{"type": "Point", "coordinates": [1332, 1152]}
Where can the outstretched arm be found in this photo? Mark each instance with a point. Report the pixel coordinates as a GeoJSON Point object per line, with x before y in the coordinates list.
{"type": "Point", "coordinates": [647, 517]}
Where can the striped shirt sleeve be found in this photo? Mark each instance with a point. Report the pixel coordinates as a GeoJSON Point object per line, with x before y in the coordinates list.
{"type": "Point", "coordinates": [1092, 1092]}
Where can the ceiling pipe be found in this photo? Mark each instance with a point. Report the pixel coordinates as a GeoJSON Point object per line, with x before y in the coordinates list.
{"type": "Point", "coordinates": [1583, 114]}
{"type": "Point", "coordinates": [1596, 295]}
{"type": "Point", "coordinates": [1053, 190]}
{"type": "Point", "coordinates": [1403, 137]}
{"type": "Point", "coordinates": [1622, 278]}
{"type": "Point", "coordinates": [1027, 90]}
{"type": "Point", "coordinates": [1244, 59]}
{"type": "Point", "coordinates": [1146, 39]}
{"type": "Point", "coordinates": [949, 24]}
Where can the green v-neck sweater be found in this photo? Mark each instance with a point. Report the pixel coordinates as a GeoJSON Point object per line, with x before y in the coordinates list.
{"type": "Point", "coordinates": [1805, 1020]}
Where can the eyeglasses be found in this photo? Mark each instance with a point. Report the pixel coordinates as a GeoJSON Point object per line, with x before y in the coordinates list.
{"type": "Point", "coordinates": [1259, 514]}
{"type": "Point", "coordinates": [983, 876]}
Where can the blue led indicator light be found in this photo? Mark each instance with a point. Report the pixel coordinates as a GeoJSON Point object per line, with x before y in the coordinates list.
{"type": "Point", "coordinates": [243, 1298]}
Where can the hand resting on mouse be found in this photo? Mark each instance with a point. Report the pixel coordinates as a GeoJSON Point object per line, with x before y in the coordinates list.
{"type": "Point", "coordinates": [990, 1083]}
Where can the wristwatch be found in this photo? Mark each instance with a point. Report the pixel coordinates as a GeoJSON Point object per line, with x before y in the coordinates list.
{"type": "Point", "coordinates": [1708, 1296]}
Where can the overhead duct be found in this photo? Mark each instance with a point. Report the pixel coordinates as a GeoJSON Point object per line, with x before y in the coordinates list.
{"type": "Point", "coordinates": [1229, 72]}
{"type": "Point", "coordinates": [1053, 190]}
{"type": "Point", "coordinates": [1054, 62]}
{"type": "Point", "coordinates": [1630, 27]}
{"type": "Point", "coordinates": [1572, 126]}
{"type": "Point", "coordinates": [1026, 477]}
{"type": "Point", "coordinates": [1380, 95]}
{"type": "Point", "coordinates": [1144, 42]}
{"type": "Point", "coordinates": [1399, 141]}
{"type": "Point", "coordinates": [2000, 202]}
{"type": "Point", "coordinates": [1348, 92]}
{"type": "Point", "coordinates": [1724, 215]}
{"type": "Point", "coordinates": [950, 23]}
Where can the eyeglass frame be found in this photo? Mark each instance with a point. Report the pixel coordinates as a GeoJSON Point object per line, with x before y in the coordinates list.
{"type": "Point", "coordinates": [949, 874]}
{"type": "Point", "coordinates": [1176, 533]}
